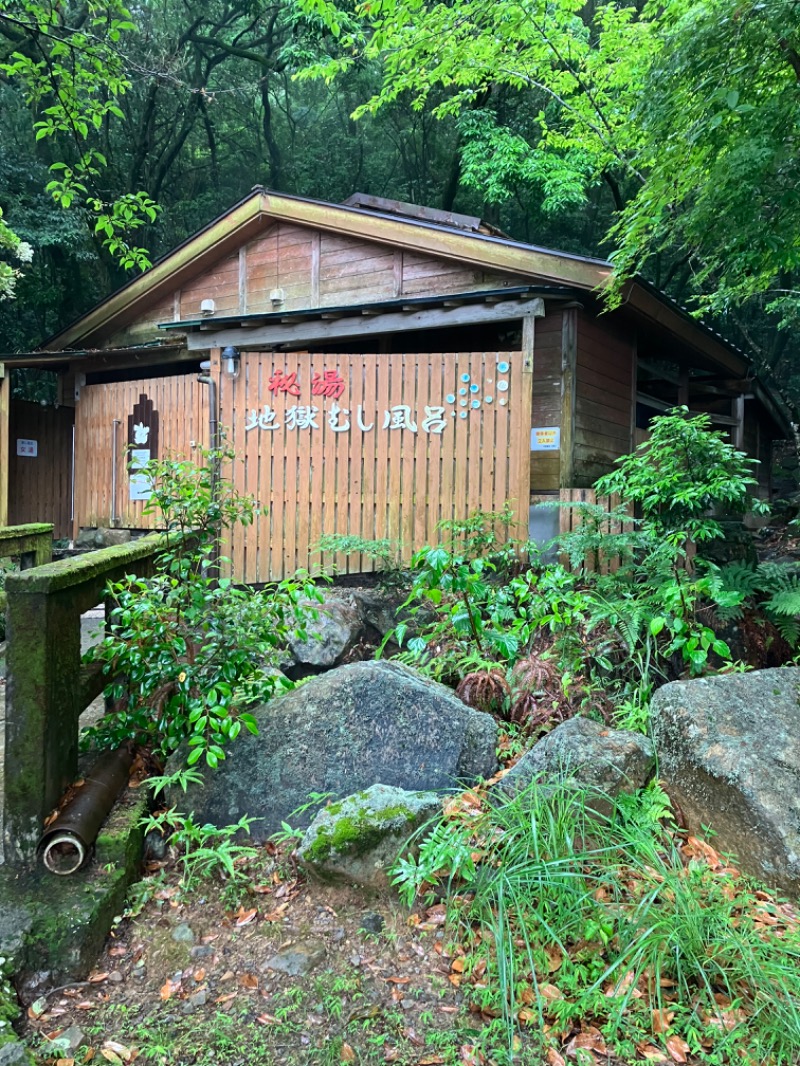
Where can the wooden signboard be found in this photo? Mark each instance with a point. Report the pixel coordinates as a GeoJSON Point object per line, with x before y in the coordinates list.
{"type": "Point", "coordinates": [142, 446]}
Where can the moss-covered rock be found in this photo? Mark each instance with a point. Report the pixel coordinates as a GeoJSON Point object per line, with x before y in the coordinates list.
{"type": "Point", "coordinates": [360, 837]}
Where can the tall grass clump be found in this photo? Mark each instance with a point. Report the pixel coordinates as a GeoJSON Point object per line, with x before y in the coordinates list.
{"type": "Point", "coordinates": [581, 931]}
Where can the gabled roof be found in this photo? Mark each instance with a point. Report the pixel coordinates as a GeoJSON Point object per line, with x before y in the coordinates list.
{"type": "Point", "coordinates": [262, 209]}
{"type": "Point", "coordinates": [426, 231]}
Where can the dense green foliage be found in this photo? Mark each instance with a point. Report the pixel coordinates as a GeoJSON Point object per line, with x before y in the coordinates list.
{"type": "Point", "coordinates": [188, 652]}
{"type": "Point", "coordinates": [627, 604]}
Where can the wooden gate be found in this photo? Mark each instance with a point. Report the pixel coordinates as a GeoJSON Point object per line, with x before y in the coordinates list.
{"type": "Point", "coordinates": [40, 466]}
{"type": "Point", "coordinates": [376, 446]}
{"type": "Point", "coordinates": [175, 412]}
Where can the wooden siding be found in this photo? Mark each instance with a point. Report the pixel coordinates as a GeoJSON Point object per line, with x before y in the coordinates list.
{"type": "Point", "coordinates": [545, 466]}
{"type": "Point", "coordinates": [314, 269]}
{"type": "Point", "coordinates": [375, 483]}
{"type": "Point", "coordinates": [40, 487]}
{"type": "Point", "coordinates": [604, 395]}
{"type": "Point", "coordinates": [182, 406]}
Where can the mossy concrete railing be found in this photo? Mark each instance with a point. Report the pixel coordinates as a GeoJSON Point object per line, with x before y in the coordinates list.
{"type": "Point", "coordinates": [47, 686]}
{"type": "Point", "coordinates": [32, 544]}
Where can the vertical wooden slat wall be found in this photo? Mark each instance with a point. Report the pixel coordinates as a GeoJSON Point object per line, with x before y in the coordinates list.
{"type": "Point", "coordinates": [40, 487]}
{"type": "Point", "coordinates": [182, 406]}
{"type": "Point", "coordinates": [370, 480]}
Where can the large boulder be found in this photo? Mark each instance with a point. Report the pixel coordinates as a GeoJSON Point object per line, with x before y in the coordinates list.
{"type": "Point", "coordinates": [729, 751]}
{"type": "Point", "coordinates": [339, 733]}
{"type": "Point", "coordinates": [588, 754]}
{"type": "Point", "coordinates": [336, 629]}
{"type": "Point", "coordinates": [360, 838]}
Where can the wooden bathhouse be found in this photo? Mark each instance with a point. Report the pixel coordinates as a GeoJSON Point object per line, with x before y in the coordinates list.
{"type": "Point", "coordinates": [377, 367]}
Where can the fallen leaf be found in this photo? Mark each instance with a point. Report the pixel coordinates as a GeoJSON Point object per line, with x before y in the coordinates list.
{"type": "Point", "coordinates": [661, 1020]}
{"type": "Point", "coordinates": [248, 980]}
{"type": "Point", "coordinates": [96, 978]}
{"type": "Point", "coordinates": [267, 1019]}
{"type": "Point", "coordinates": [457, 965]}
{"type": "Point", "coordinates": [347, 1054]}
{"type": "Point", "coordinates": [110, 1055]}
{"type": "Point", "coordinates": [553, 1058]}
{"type": "Point", "coordinates": [398, 980]}
{"type": "Point", "coordinates": [430, 1060]}
{"type": "Point", "coordinates": [550, 992]}
{"type": "Point", "coordinates": [228, 975]}
{"type": "Point", "coordinates": [169, 988]}
{"type": "Point", "coordinates": [677, 1048]}
{"type": "Point", "coordinates": [246, 917]}
{"type": "Point", "coordinates": [226, 998]}
{"type": "Point", "coordinates": [199, 976]}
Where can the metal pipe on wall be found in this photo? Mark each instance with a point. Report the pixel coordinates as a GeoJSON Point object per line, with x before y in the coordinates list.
{"type": "Point", "coordinates": [115, 423]}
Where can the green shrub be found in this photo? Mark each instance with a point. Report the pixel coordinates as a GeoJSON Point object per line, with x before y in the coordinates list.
{"type": "Point", "coordinates": [188, 651]}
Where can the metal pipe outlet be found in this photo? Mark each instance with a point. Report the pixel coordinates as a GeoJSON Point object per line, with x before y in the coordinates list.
{"type": "Point", "coordinates": [67, 842]}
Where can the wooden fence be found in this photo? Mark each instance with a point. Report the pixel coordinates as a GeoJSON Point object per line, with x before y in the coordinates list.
{"type": "Point", "coordinates": [177, 417]}
{"type": "Point", "coordinates": [374, 446]}
{"type": "Point", "coordinates": [40, 466]}
{"type": "Point", "coordinates": [570, 520]}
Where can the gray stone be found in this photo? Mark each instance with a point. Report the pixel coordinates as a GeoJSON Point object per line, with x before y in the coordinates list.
{"type": "Point", "coordinates": [591, 755]}
{"type": "Point", "coordinates": [332, 634]}
{"type": "Point", "coordinates": [379, 608]}
{"type": "Point", "coordinates": [298, 959]}
{"type": "Point", "coordinates": [108, 538]}
{"type": "Point", "coordinates": [85, 539]}
{"type": "Point", "coordinates": [201, 951]}
{"type": "Point", "coordinates": [338, 734]}
{"type": "Point", "coordinates": [361, 837]}
{"type": "Point", "coordinates": [729, 751]}
{"type": "Point", "coordinates": [70, 1040]}
{"type": "Point", "coordinates": [15, 1054]}
{"type": "Point", "coordinates": [372, 922]}
{"type": "Point", "coordinates": [183, 934]}
{"type": "Point", "coordinates": [16, 921]}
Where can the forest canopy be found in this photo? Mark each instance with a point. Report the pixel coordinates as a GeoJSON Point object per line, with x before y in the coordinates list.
{"type": "Point", "coordinates": [661, 135]}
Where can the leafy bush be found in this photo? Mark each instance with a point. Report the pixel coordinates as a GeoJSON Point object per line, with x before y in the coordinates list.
{"type": "Point", "coordinates": [188, 651]}
{"type": "Point", "coordinates": [570, 637]}
{"type": "Point", "coordinates": [680, 475]}
{"type": "Point", "coordinates": [611, 933]}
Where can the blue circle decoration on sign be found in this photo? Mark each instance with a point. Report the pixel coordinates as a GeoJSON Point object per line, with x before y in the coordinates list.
{"type": "Point", "coordinates": [503, 402]}
{"type": "Point", "coordinates": [502, 368]}
{"type": "Point", "coordinates": [502, 386]}
{"type": "Point", "coordinates": [463, 414]}
{"type": "Point", "coordinates": [462, 392]}
{"type": "Point", "coordinates": [476, 404]}
{"type": "Point", "coordinates": [450, 398]}
{"type": "Point", "coordinates": [463, 403]}
{"type": "Point", "coordinates": [465, 377]}
{"type": "Point", "coordinates": [474, 388]}
{"type": "Point", "coordinates": [488, 399]}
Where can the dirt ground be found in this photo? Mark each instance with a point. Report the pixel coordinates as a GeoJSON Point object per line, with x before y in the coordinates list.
{"type": "Point", "coordinates": [289, 972]}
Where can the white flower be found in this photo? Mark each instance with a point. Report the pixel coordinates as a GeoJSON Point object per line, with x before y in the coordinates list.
{"type": "Point", "coordinates": [24, 252]}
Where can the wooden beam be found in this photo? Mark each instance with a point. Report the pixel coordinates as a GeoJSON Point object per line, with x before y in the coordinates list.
{"type": "Point", "coordinates": [737, 410]}
{"type": "Point", "coordinates": [267, 336]}
{"type": "Point", "coordinates": [5, 441]}
{"type": "Point", "coordinates": [315, 260]}
{"type": "Point", "coordinates": [243, 280]}
{"type": "Point", "coordinates": [569, 363]}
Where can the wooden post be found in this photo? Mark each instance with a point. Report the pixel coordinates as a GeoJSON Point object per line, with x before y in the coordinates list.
{"type": "Point", "coordinates": [569, 362]}
{"type": "Point", "coordinates": [737, 433]}
{"type": "Point", "coordinates": [5, 441]}
{"type": "Point", "coordinates": [526, 416]}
